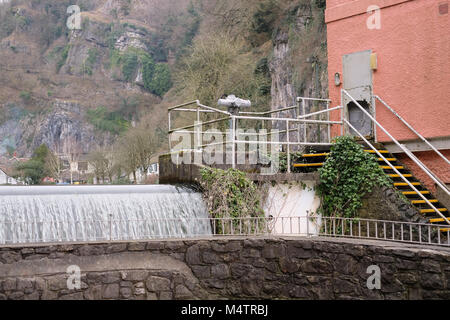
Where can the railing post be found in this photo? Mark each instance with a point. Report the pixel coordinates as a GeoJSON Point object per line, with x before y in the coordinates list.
{"type": "Point", "coordinates": [342, 114]}
{"type": "Point", "coordinates": [329, 124]}
{"type": "Point", "coordinates": [233, 139]}
{"type": "Point", "coordinates": [307, 223]}
{"type": "Point", "coordinates": [304, 124]}
{"type": "Point", "coordinates": [288, 148]}
{"type": "Point", "coordinates": [110, 227]}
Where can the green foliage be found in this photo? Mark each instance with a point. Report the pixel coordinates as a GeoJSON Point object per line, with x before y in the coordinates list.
{"type": "Point", "coordinates": [115, 58]}
{"type": "Point", "coordinates": [156, 77]}
{"type": "Point", "coordinates": [191, 28]}
{"type": "Point", "coordinates": [346, 177]}
{"type": "Point", "coordinates": [265, 17]}
{"type": "Point", "coordinates": [25, 96]}
{"type": "Point", "coordinates": [130, 64]}
{"type": "Point", "coordinates": [63, 58]}
{"type": "Point", "coordinates": [34, 170]}
{"type": "Point", "coordinates": [113, 32]}
{"type": "Point", "coordinates": [230, 194]}
{"type": "Point", "coordinates": [161, 81]}
{"type": "Point", "coordinates": [148, 71]}
{"type": "Point", "coordinates": [262, 70]}
{"type": "Point", "coordinates": [7, 23]}
{"type": "Point", "coordinates": [105, 120]}
{"type": "Point", "coordinates": [122, 181]}
{"type": "Point", "coordinates": [90, 61]}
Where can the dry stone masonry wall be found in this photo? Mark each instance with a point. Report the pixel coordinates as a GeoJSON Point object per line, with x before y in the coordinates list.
{"type": "Point", "coordinates": [260, 268]}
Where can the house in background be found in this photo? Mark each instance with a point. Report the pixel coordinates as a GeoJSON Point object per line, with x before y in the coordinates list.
{"type": "Point", "coordinates": [75, 170]}
{"type": "Point", "coordinates": [5, 176]}
{"type": "Point", "coordinates": [398, 50]}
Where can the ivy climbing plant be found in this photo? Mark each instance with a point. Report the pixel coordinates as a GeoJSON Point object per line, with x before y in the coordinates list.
{"type": "Point", "coordinates": [346, 177]}
{"type": "Point", "coordinates": [230, 194]}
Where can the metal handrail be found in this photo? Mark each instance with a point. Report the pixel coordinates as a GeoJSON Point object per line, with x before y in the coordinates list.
{"type": "Point", "coordinates": [413, 130]}
{"type": "Point", "coordinates": [234, 136]}
{"type": "Point", "coordinates": [405, 150]}
{"type": "Point", "coordinates": [84, 231]}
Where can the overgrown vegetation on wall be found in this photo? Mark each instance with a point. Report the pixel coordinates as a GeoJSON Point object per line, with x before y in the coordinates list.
{"type": "Point", "coordinates": [230, 194]}
{"type": "Point", "coordinates": [346, 177]}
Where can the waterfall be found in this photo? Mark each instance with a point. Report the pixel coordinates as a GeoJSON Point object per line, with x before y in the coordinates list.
{"type": "Point", "coordinates": [98, 213]}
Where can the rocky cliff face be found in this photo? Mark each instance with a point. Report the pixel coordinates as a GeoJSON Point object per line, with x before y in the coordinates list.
{"type": "Point", "coordinates": [51, 76]}
{"type": "Point", "coordinates": [299, 63]}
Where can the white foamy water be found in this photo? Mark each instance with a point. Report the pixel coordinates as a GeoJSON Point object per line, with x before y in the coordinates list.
{"type": "Point", "coordinates": [96, 213]}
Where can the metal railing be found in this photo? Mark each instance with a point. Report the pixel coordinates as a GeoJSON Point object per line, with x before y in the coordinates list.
{"type": "Point", "coordinates": [306, 226]}
{"type": "Point", "coordinates": [413, 130]}
{"type": "Point", "coordinates": [296, 121]}
{"type": "Point", "coordinates": [405, 150]}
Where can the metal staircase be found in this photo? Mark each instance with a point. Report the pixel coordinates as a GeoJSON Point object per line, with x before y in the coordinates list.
{"type": "Point", "coordinates": [314, 161]}
{"type": "Point", "coordinates": [403, 178]}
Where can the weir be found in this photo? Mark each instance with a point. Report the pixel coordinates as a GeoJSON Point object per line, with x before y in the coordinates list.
{"type": "Point", "coordinates": [95, 213]}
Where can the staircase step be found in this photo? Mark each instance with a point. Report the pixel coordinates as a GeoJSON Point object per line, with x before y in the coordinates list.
{"type": "Point", "coordinates": [424, 202]}
{"type": "Point", "coordinates": [389, 168]}
{"type": "Point", "coordinates": [432, 210]}
{"type": "Point", "coordinates": [388, 159]}
{"type": "Point", "coordinates": [445, 230]}
{"type": "Point", "coordinates": [380, 151]}
{"type": "Point", "coordinates": [398, 176]}
{"type": "Point", "coordinates": [305, 165]}
{"type": "Point", "coordinates": [312, 155]}
{"type": "Point", "coordinates": [404, 184]}
{"type": "Point", "coordinates": [437, 220]}
{"type": "Point", "coordinates": [406, 193]}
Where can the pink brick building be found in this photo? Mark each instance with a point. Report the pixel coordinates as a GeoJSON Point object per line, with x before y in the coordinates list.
{"type": "Point", "coordinates": [398, 50]}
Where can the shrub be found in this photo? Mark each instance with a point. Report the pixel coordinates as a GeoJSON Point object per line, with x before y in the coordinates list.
{"type": "Point", "coordinates": [148, 71]}
{"type": "Point", "coordinates": [346, 177]}
{"type": "Point", "coordinates": [230, 194]}
{"type": "Point", "coordinates": [104, 120]}
{"type": "Point", "coordinates": [130, 64]}
{"type": "Point", "coordinates": [161, 81]}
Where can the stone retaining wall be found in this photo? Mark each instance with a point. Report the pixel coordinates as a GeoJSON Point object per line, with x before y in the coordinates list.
{"type": "Point", "coordinates": [272, 268]}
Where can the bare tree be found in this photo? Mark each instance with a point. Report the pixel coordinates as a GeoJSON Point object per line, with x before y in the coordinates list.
{"type": "Point", "coordinates": [52, 165]}
{"type": "Point", "coordinates": [135, 150]}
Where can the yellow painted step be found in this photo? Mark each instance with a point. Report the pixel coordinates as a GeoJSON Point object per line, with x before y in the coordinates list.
{"type": "Point", "coordinates": [404, 184]}
{"type": "Point", "coordinates": [304, 165]}
{"type": "Point", "coordinates": [398, 176]}
{"type": "Point", "coordinates": [388, 159]}
{"type": "Point", "coordinates": [389, 168]}
{"type": "Point", "coordinates": [312, 155]}
{"type": "Point", "coordinates": [445, 230]}
{"type": "Point", "coordinates": [424, 202]}
{"type": "Point", "coordinates": [413, 192]}
{"type": "Point", "coordinates": [432, 211]}
{"type": "Point", "coordinates": [380, 151]}
{"type": "Point", "coordinates": [437, 220]}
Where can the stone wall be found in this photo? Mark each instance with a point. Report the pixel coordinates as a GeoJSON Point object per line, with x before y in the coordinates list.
{"type": "Point", "coordinates": [386, 204]}
{"type": "Point", "coordinates": [269, 268]}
